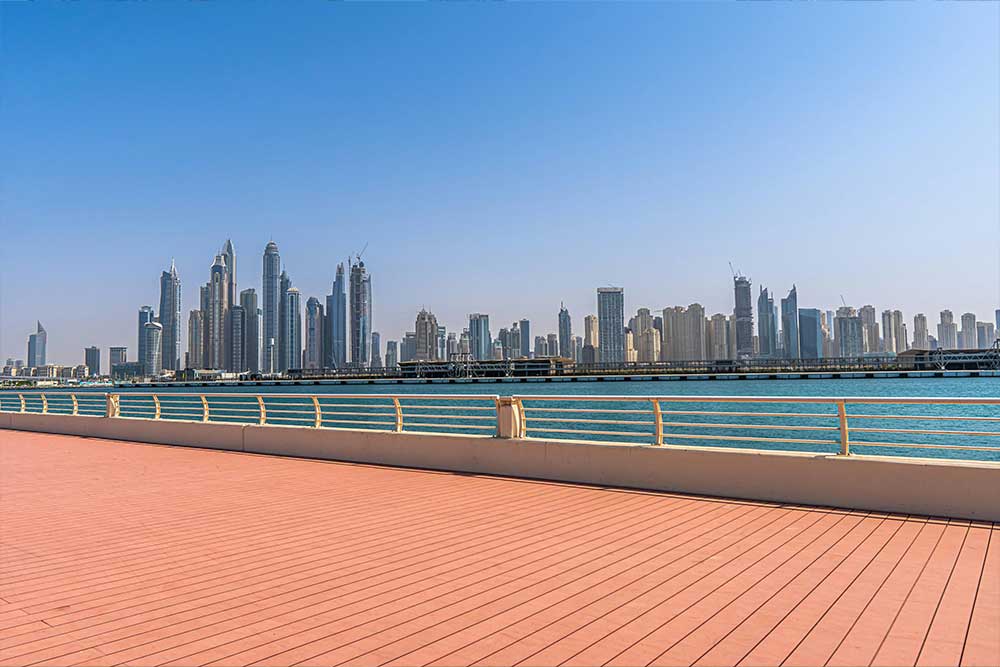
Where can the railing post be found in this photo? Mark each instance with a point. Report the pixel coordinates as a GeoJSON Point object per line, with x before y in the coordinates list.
{"type": "Point", "coordinates": [204, 408]}
{"type": "Point", "coordinates": [319, 412]}
{"type": "Point", "coordinates": [263, 411]}
{"type": "Point", "coordinates": [112, 406]}
{"type": "Point", "coordinates": [45, 405]}
{"type": "Point", "coordinates": [156, 406]}
{"type": "Point", "coordinates": [510, 421]}
{"type": "Point", "coordinates": [24, 404]}
{"type": "Point", "coordinates": [76, 406]}
{"type": "Point", "coordinates": [399, 414]}
{"type": "Point", "coordinates": [845, 444]}
{"type": "Point", "coordinates": [658, 421]}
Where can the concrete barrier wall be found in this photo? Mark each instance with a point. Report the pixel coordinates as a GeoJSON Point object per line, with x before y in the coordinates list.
{"type": "Point", "coordinates": [886, 484]}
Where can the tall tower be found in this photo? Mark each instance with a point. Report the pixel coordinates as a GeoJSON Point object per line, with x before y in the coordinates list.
{"type": "Point", "coordinates": [315, 325]}
{"type": "Point", "coordinates": [790, 324]}
{"type": "Point", "coordinates": [251, 329]}
{"type": "Point", "coordinates": [743, 314]}
{"type": "Point", "coordinates": [611, 324]}
{"type": "Point", "coordinates": [767, 328]}
{"type": "Point", "coordinates": [336, 329]}
{"type": "Point", "coordinates": [170, 318]}
{"type": "Point", "coordinates": [218, 309]}
{"type": "Point", "coordinates": [361, 315]}
{"type": "Point", "coordinates": [270, 298]}
{"type": "Point", "coordinates": [565, 333]}
{"type": "Point", "coordinates": [151, 363]}
{"type": "Point", "coordinates": [524, 326]}
{"type": "Point", "coordinates": [37, 343]}
{"type": "Point", "coordinates": [145, 316]}
{"type": "Point", "coordinates": [480, 339]}
{"type": "Point", "coordinates": [292, 330]}
{"type": "Point", "coordinates": [230, 254]}
{"type": "Point", "coordinates": [284, 284]}
{"type": "Point", "coordinates": [426, 330]}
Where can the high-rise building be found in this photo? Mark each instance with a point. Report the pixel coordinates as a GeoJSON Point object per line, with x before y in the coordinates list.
{"type": "Point", "coordinates": [718, 337]}
{"type": "Point", "coordinates": [442, 343]}
{"type": "Point", "coordinates": [251, 329]}
{"type": "Point", "coordinates": [591, 335]}
{"type": "Point", "coordinates": [790, 324]}
{"type": "Point", "coordinates": [810, 333]}
{"type": "Point", "coordinates": [145, 316]}
{"type": "Point", "coordinates": [284, 284]}
{"type": "Point", "coordinates": [37, 343]}
{"type": "Point", "coordinates": [920, 337]}
{"type": "Point", "coordinates": [969, 338]}
{"type": "Point", "coordinates": [152, 364]}
{"type": "Point", "coordinates": [230, 254]}
{"type": "Point", "coordinates": [170, 318]}
{"type": "Point", "coordinates": [578, 348]}
{"type": "Point", "coordinates": [985, 334]}
{"type": "Point", "coordinates": [117, 355]}
{"type": "Point", "coordinates": [649, 346]}
{"type": "Point", "coordinates": [361, 315]}
{"type": "Point", "coordinates": [684, 333]}
{"type": "Point", "coordinates": [642, 320]}
{"type": "Point", "coordinates": [541, 347]}
{"type": "Point", "coordinates": [291, 330]}
{"type": "Point", "coordinates": [553, 344]}
{"type": "Point", "coordinates": [996, 320]}
{"type": "Point", "coordinates": [869, 325]}
{"type": "Point", "coordinates": [426, 330]}
{"type": "Point", "coordinates": [452, 345]}
{"type": "Point", "coordinates": [315, 322]}
{"type": "Point", "coordinates": [947, 331]}
{"type": "Point", "coordinates": [743, 312]}
{"type": "Point", "coordinates": [524, 329]}
{"type": "Point", "coordinates": [391, 354]}
{"type": "Point", "coordinates": [631, 354]}
{"type": "Point", "coordinates": [218, 311]}
{"type": "Point", "coordinates": [270, 302]}
{"type": "Point", "coordinates": [565, 333]}
{"type": "Point", "coordinates": [767, 326]}
{"type": "Point", "coordinates": [899, 336]}
{"type": "Point", "coordinates": [611, 324]}
{"type": "Point", "coordinates": [196, 339]}
{"type": "Point", "coordinates": [204, 301]}
{"type": "Point", "coordinates": [336, 330]}
{"type": "Point", "coordinates": [376, 360]}
{"type": "Point", "coordinates": [850, 334]}
{"type": "Point", "coordinates": [92, 360]}
{"type": "Point", "coordinates": [480, 340]}
{"type": "Point", "coordinates": [888, 332]}
{"type": "Point", "coordinates": [236, 357]}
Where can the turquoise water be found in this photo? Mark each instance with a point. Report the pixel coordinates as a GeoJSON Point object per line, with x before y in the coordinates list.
{"type": "Point", "coordinates": [815, 425]}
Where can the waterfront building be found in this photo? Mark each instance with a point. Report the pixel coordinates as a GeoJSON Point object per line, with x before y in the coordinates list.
{"type": "Point", "coordinates": [631, 354]}
{"type": "Point", "coordinates": [117, 355]}
{"type": "Point", "coordinates": [969, 340]}
{"type": "Point", "coordinates": [790, 324]}
{"type": "Point", "coordinates": [591, 335]}
{"type": "Point", "coordinates": [899, 335]}
{"type": "Point", "coordinates": [996, 320]}
{"type": "Point", "coordinates": [642, 320]}
{"type": "Point", "coordinates": [92, 360]}
{"type": "Point", "coordinates": [524, 332]}
{"type": "Point", "coordinates": [869, 326]}
{"type": "Point", "coordinates": [376, 358]}
{"type": "Point", "coordinates": [236, 357]}
{"type": "Point", "coordinates": [409, 347]}
{"type": "Point", "coordinates": [649, 346]}
{"type": "Point", "coordinates": [426, 329]}
{"type": "Point", "coordinates": [146, 316]}
{"type": "Point", "coordinates": [251, 329]}
{"type": "Point", "coordinates": [284, 284]}
{"type": "Point", "coordinates": [204, 299]}
{"type": "Point", "coordinates": [888, 333]}
{"type": "Point", "coordinates": [920, 337]}
{"type": "Point", "coordinates": [170, 318]}
{"type": "Point", "coordinates": [152, 364]}
{"type": "Point", "coordinates": [578, 348]}
{"type": "Point", "coordinates": [452, 345]}
{"type": "Point", "coordinates": [743, 312]}
{"type": "Point", "coordinates": [947, 331]}
{"type": "Point", "coordinates": [480, 341]}
{"type": "Point", "coordinates": [230, 254]}
{"type": "Point", "coordinates": [497, 352]}
{"type": "Point", "coordinates": [717, 338]}
{"type": "Point", "coordinates": [315, 322]}
{"type": "Point", "coordinates": [442, 343]}
{"type": "Point", "coordinates": [541, 347]}
{"type": "Point", "coordinates": [684, 333]}
{"type": "Point", "coordinates": [553, 344]}
{"type": "Point", "coordinates": [611, 324]}
{"type": "Point", "coordinates": [850, 334]}
{"type": "Point", "coordinates": [361, 314]}
{"type": "Point", "coordinates": [565, 333]}
{"type": "Point", "coordinates": [37, 344]}
{"type": "Point", "coordinates": [985, 334]}
{"type": "Point", "coordinates": [291, 330]}
{"type": "Point", "coordinates": [391, 354]}
{"type": "Point", "coordinates": [270, 301]}
{"type": "Point", "coordinates": [465, 345]}
{"type": "Point", "coordinates": [196, 340]}
{"type": "Point", "coordinates": [767, 327]}
{"type": "Point", "coordinates": [588, 354]}
{"type": "Point", "coordinates": [218, 310]}
{"type": "Point", "coordinates": [811, 333]}
{"type": "Point", "coordinates": [336, 329]}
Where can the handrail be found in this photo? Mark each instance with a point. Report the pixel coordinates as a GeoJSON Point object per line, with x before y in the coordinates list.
{"type": "Point", "coordinates": [636, 420]}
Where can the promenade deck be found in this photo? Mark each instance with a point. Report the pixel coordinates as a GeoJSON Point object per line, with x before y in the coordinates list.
{"type": "Point", "coordinates": [118, 553]}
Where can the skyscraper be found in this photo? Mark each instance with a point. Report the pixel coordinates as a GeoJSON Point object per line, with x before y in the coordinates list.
{"type": "Point", "coordinates": [524, 329]}
{"type": "Point", "coordinates": [790, 324]}
{"type": "Point", "coordinates": [117, 355]}
{"type": "Point", "coordinates": [591, 335]}
{"type": "Point", "coordinates": [480, 340]}
{"type": "Point", "coordinates": [284, 284]}
{"type": "Point", "coordinates": [969, 337]}
{"type": "Point", "coordinates": [565, 333]}
{"type": "Point", "coordinates": [314, 334]}
{"type": "Point", "coordinates": [218, 310]}
{"type": "Point", "coordinates": [888, 333]}
{"type": "Point", "coordinates": [251, 329]}
{"type": "Point", "coordinates": [743, 312]}
{"type": "Point", "coordinates": [947, 331]}
{"type": "Point", "coordinates": [553, 344]}
{"type": "Point", "coordinates": [291, 330]}
{"type": "Point", "coordinates": [684, 333]}
{"type": "Point", "coordinates": [270, 301]}
{"type": "Point", "coordinates": [985, 334]}
{"type": "Point", "coordinates": [170, 318]}
{"type": "Point", "coordinates": [870, 329]}
{"type": "Point", "coordinates": [236, 356]}
{"type": "Point", "coordinates": [391, 354]}
{"type": "Point", "coordinates": [426, 330]}
{"type": "Point", "coordinates": [850, 335]}
{"type": "Point", "coordinates": [899, 337]}
{"type": "Point", "coordinates": [196, 339]}
{"type": "Point", "coordinates": [230, 254]}
{"type": "Point", "coordinates": [336, 330]}
{"type": "Point", "coordinates": [920, 338]}
{"type": "Point", "coordinates": [152, 364]}
{"type": "Point", "coordinates": [376, 359]}
{"type": "Point", "coordinates": [611, 324]}
{"type": "Point", "coordinates": [92, 359]}
{"type": "Point", "coordinates": [810, 333]}
{"type": "Point", "coordinates": [718, 337]}
{"type": "Point", "coordinates": [145, 316]}
{"type": "Point", "coordinates": [541, 347]}
{"type": "Point", "coordinates": [767, 327]}
{"type": "Point", "coordinates": [37, 343]}
{"type": "Point", "coordinates": [648, 347]}
{"type": "Point", "coordinates": [361, 315]}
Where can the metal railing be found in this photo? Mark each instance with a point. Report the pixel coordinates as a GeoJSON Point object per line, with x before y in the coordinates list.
{"type": "Point", "coordinates": [927, 427]}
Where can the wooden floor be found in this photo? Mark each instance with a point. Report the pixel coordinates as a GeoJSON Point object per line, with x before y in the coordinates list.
{"type": "Point", "coordinates": [117, 553]}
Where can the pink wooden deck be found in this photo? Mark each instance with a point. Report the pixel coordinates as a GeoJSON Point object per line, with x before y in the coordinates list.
{"type": "Point", "coordinates": [117, 553]}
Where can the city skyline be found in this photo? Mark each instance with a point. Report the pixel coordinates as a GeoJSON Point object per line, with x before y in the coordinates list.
{"type": "Point", "coordinates": [578, 170]}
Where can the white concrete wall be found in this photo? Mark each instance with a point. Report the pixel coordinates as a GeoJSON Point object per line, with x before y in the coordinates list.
{"type": "Point", "coordinates": [887, 484]}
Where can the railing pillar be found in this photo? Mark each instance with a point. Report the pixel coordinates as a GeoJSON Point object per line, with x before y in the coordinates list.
{"type": "Point", "coordinates": [24, 404]}
{"type": "Point", "coordinates": [112, 406]}
{"type": "Point", "coordinates": [204, 408]}
{"type": "Point", "coordinates": [510, 418]}
{"type": "Point", "coordinates": [76, 406]}
{"type": "Point", "coordinates": [399, 414]}
{"type": "Point", "coordinates": [845, 443]}
{"type": "Point", "coordinates": [318, 421]}
{"type": "Point", "coordinates": [156, 406]}
{"type": "Point", "coordinates": [45, 404]}
{"type": "Point", "coordinates": [262, 419]}
{"type": "Point", "coordinates": [658, 421]}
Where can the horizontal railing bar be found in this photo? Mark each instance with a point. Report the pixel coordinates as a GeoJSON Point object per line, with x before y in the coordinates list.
{"type": "Point", "coordinates": [750, 438]}
{"type": "Point", "coordinates": [342, 421]}
{"type": "Point", "coordinates": [609, 410]}
{"type": "Point", "coordinates": [901, 400]}
{"type": "Point", "coordinates": [482, 428]}
{"type": "Point", "coordinates": [528, 420]}
{"type": "Point", "coordinates": [441, 397]}
{"type": "Point", "coordinates": [913, 445]}
{"type": "Point", "coordinates": [921, 431]}
{"type": "Point", "coordinates": [631, 434]}
{"type": "Point", "coordinates": [358, 414]}
{"type": "Point", "coordinates": [448, 407]}
{"type": "Point", "coordinates": [358, 405]}
{"type": "Point", "coordinates": [779, 427]}
{"type": "Point", "coordinates": [923, 417]}
{"type": "Point", "coordinates": [726, 413]}
{"type": "Point", "coordinates": [423, 416]}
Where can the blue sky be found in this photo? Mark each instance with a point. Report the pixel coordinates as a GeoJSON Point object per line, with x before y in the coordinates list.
{"type": "Point", "coordinates": [496, 157]}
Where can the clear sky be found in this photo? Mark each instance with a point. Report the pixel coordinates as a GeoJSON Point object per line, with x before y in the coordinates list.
{"type": "Point", "coordinates": [496, 157]}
